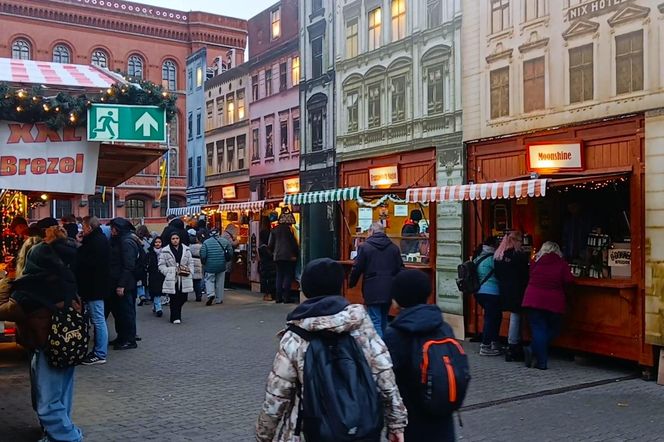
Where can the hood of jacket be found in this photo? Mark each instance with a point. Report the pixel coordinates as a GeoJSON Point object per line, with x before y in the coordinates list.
{"type": "Point", "coordinates": [379, 240]}
{"type": "Point", "coordinates": [419, 319]}
{"type": "Point", "coordinates": [123, 225]}
{"type": "Point", "coordinates": [177, 223]}
{"type": "Point", "coordinates": [348, 317]}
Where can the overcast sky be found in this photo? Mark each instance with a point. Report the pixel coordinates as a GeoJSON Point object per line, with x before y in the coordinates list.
{"type": "Point", "coordinates": [233, 8]}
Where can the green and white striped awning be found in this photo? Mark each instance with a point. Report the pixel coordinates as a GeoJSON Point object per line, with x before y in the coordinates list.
{"type": "Point", "coordinates": [323, 196]}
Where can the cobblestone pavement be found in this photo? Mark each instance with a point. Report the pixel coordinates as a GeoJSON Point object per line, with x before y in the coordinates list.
{"type": "Point", "coordinates": [204, 380]}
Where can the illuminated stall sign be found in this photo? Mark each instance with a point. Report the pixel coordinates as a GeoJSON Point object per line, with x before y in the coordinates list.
{"type": "Point", "coordinates": [555, 157]}
{"type": "Point", "coordinates": [383, 176]}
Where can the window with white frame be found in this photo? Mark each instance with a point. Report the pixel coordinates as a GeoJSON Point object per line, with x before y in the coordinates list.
{"type": "Point", "coordinates": [500, 92]}
{"type": "Point", "coordinates": [352, 111]}
{"type": "Point", "coordinates": [209, 150]}
{"type": "Point", "coordinates": [375, 22]}
{"type": "Point", "coordinates": [374, 105]}
{"type": "Point", "coordinates": [21, 49]}
{"type": "Point", "coordinates": [99, 58]}
{"type": "Point", "coordinates": [500, 15]}
{"type": "Point", "coordinates": [269, 142]}
{"type": "Point", "coordinates": [283, 137]}
{"type": "Point", "coordinates": [135, 208]}
{"type": "Point", "coordinates": [268, 82]}
{"type": "Point", "coordinates": [61, 54]}
{"type": "Point", "coordinates": [230, 109]}
{"type": "Point", "coordinates": [255, 145]}
{"type": "Point", "coordinates": [169, 75]}
{"type": "Point", "coordinates": [135, 67]}
{"type": "Point", "coordinates": [581, 83]}
{"type": "Point", "coordinates": [435, 89]}
{"type": "Point", "coordinates": [283, 76]}
{"type": "Point", "coordinates": [434, 13]}
{"type": "Point", "coordinates": [295, 70]}
{"type": "Point", "coordinates": [220, 156]}
{"type": "Point", "coordinates": [533, 85]}
{"type": "Point", "coordinates": [398, 99]}
{"type": "Point", "coordinates": [317, 57]}
{"type": "Point", "coordinates": [240, 105]}
{"type": "Point", "coordinates": [398, 19]}
{"type": "Point", "coordinates": [276, 23]}
{"type": "Point", "coordinates": [254, 88]}
{"type": "Point", "coordinates": [352, 38]}
{"type": "Point", "coordinates": [533, 9]}
{"type": "Point", "coordinates": [241, 151]}
{"type": "Point", "coordinates": [629, 62]}
{"type": "Point", "coordinates": [230, 154]}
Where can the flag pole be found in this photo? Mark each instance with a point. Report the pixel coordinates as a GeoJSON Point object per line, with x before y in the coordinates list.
{"type": "Point", "coordinates": [168, 168]}
{"type": "Point", "coordinates": [113, 200]}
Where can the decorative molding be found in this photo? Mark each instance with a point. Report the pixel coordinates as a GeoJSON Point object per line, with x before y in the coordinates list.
{"type": "Point", "coordinates": [507, 53]}
{"type": "Point", "coordinates": [316, 29]}
{"type": "Point", "coordinates": [581, 27]}
{"type": "Point", "coordinates": [629, 13]}
{"type": "Point", "coordinates": [530, 46]}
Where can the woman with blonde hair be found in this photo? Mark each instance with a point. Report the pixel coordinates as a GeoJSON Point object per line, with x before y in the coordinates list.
{"type": "Point", "coordinates": [545, 301]}
{"type": "Point", "coordinates": [511, 267]}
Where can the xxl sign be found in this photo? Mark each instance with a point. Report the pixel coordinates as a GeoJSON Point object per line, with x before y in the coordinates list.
{"type": "Point", "coordinates": [555, 156]}
{"type": "Point", "coordinates": [34, 157]}
{"type": "Point", "coordinates": [593, 8]}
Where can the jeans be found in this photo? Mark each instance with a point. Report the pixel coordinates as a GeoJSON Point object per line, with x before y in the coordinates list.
{"type": "Point", "coordinates": [544, 326]}
{"type": "Point", "coordinates": [214, 286]}
{"type": "Point", "coordinates": [514, 334]}
{"type": "Point", "coordinates": [198, 288]}
{"type": "Point", "coordinates": [285, 275]}
{"type": "Point", "coordinates": [156, 303]}
{"type": "Point", "coordinates": [98, 321]}
{"type": "Point", "coordinates": [141, 292]}
{"type": "Point", "coordinates": [378, 315]}
{"type": "Point", "coordinates": [53, 393]}
{"type": "Point", "coordinates": [493, 316]}
{"type": "Point", "coordinates": [177, 301]}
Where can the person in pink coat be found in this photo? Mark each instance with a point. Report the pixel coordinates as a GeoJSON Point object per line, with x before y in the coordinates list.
{"type": "Point", "coordinates": [545, 301]}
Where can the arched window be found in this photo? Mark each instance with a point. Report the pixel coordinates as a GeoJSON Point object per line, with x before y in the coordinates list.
{"type": "Point", "coordinates": [99, 58]}
{"type": "Point", "coordinates": [99, 208]}
{"type": "Point", "coordinates": [21, 50]}
{"type": "Point", "coordinates": [169, 75]}
{"type": "Point", "coordinates": [135, 67]}
{"type": "Point", "coordinates": [175, 202]}
{"type": "Point", "coordinates": [174, 161]}
{"type": "Point", "coordinates": [135, 208]}
{"type": "Point", "coordinates": [61, 54]}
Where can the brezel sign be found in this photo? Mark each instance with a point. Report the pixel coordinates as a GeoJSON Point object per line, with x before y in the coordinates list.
{"type": "Point", "coordinates": [34, 157]}
{"type": "Point", "coordinates": [555, 156]}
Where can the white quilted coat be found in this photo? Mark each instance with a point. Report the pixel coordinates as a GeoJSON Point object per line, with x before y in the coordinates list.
{"type": "Point", "coordinates": [168, 267]}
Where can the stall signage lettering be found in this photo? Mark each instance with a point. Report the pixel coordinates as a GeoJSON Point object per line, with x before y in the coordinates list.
{"type": "Point", "coordinates": [555, 156]}
{"type": "Point", "coordinates": [292, 185]}
{"type": "Point", "coordinates": [384, 176]}
{"type": "Point", "coordinates": [38, 158]}
{"type": "Point", "coordinates": [228, 192]}
{"type": "Point", "coordinates": [620, 257]}
{"type": "Point", "coordinates": [593, 8]}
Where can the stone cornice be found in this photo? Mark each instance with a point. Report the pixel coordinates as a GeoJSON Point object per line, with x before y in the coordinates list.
{"type": "Point", "coordinates": [530, 46]}
{"type": "Point", "coordinates": [499, 55]}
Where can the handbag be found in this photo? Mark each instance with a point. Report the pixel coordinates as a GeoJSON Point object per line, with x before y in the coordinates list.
{"type": "Point", "coordinates": [67, 342]}
{"type": "Point", "coordinates": [183, 270]}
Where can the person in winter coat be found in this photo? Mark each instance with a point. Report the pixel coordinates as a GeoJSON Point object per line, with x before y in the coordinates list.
{"type": "Point", "coordinates": [175, 225]}
{"type": "Point", "coordinates": [48, 279]}
{"type": "Point", "coordinates": [195, 249]}
{"type": "Point", "coordinates": [379, 260]}
{"type": "Point", "coordinates": [266, 266]}
{"type": "Point", "coordinates": [143, 235]}
{"type": "Point", "coordinates": [177, 266]}
{"type": "Point", "coordinates": [417, 319]}
{"type": "Point", "coordinates": [488, 296]}
{"type": "Point", "coordinates": [94, 283]}
{"type": "Point", "coordinates": [511, 268]}
{"type": "Point", "coordinates": [411, 228]}
{"type": "Point", "coordinates": [324, 310]}
{"type": "Point", "coordinates": [545, 301]}
{"type": "Point", "coordinates": [285, 251]}
{"type": "Point", "coordinates": [232, 235]}
{"type": "Point", "coordinates": [214, 254]}
{"type": "Point", "coordinates": [155, 277]}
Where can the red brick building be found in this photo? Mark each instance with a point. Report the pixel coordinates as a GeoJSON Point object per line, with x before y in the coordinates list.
{"type": "Point", "coordinates": [143, 41]}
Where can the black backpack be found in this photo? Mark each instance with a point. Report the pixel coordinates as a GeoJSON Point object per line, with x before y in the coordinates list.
{"type": "Point", "coordinates": [468, 280]}
{"type": "Point", "coordinates": [439, 375]}
{"type": "Point", "coordinates": [141, 268]}
{"type": "Point", "coordinates": [67, 342]}
{"type": "Point", "coordinates": [339, 401]}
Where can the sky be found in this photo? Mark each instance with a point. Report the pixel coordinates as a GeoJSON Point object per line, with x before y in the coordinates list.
{"type": "Point", "coordinates": [233, 8]}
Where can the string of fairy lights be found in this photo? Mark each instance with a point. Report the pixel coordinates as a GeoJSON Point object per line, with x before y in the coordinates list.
{"type": "Point", "coordinates": [593, 185]}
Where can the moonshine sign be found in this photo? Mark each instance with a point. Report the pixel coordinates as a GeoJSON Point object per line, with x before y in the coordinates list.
{"type": "Point", "coordinates": [594, 8]}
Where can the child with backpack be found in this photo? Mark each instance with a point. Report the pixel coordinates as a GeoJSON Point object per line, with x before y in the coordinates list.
{"type": "Point", "coordinates": [430, 366]}
{"type": "Point", "coordinates": [332, 378]}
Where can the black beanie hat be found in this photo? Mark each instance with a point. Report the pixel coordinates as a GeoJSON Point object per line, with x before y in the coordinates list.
{"type": "Point", "coordinates": [45, 223]}
{"type": "Point", "coordinates": [322, 277]}
{"type": "Point", "coordinates": [411, 287]}
{"type": "Point", "coordinates": [416, 215]}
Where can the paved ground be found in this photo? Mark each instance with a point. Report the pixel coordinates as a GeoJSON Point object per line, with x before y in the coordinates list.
{"type": "Point", "coordinates": [204, 381]}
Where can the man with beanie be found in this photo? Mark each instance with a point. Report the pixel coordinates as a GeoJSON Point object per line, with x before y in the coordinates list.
{"type": "Point", "coordinates": [416, 320]}
{"type": "Point", "coordinates": [325, 310]}
{"type": "Point", "coordinates": [379, 260]}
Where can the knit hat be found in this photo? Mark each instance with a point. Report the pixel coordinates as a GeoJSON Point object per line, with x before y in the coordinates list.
{"type": "Point", "coordinates": [411, 287]}
{"type": "Point", "coordinates": [322, 277]}
{"type": "Point", "coordinates": [416, 215]}
{"type": "Point", "coordinates": [72, 230]}
{"type": "Point", "coordinates": [45, 223]}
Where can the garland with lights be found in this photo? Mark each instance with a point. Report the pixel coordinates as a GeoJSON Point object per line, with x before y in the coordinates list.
{"type": "Point", "coordinates": [63, 109]}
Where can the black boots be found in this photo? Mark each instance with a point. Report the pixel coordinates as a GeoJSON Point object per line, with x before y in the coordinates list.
{"type": "Point", "coordinates": [514, 353]}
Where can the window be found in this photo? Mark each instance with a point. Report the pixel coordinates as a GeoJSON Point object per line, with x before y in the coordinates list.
{"type": "Point", "coordinates": [173, 129]}
{"type": "Point", "coordinates": [276, 23]}
{"type": "Point", "coordinates": [198, 123]}
{"type": "Point", "coordinates": [398, 99]}
{"type": "Point", "coordinates": [500, 15]}
{"type": "Point", "coordinates": [199, 171]}
{"type": "Point", "coordinates": [283, 136]}
{"type": "Point", "coordinates": [629, 62]}
{"type": "Point", "coordinates": [230, 154]}
{"type": "Point", "coordinates": [283, 77]}
{"type": "Point", "coordinates": [209, 113]}
{"type": "Point", "coordinates": [533, 9]}
{"type": "Point", "coordinates": [190, 81]}
{"type": "Point", "coordinates": [398, 19]}
{"type": "Point", "coordinates": [168, 75]}
{"type": "Point", "coordinates": [255, 145]}
{"type": "Point", "coordinates": [254, 88]}
{"type": "Point", "coordinates": [220, 110]}
{"type": "Point", "coordinates": [269, 149]}
{"type": "Point", "coordinates": [316, 5]}
{"type": "Point", "coordinates": [581, 74]}
{"type": "Point", "coordinates": [61, 54]}
{"type": "Point", "coordinates": [190, 126]}
{"type": "Point", "coordinates": [230, 109]}
{"type": "Point", "coordinates": [317, 57]}
{"type": "Point", "coordinates": [173, 158]}
{"type": "Point", "coordinates": [199, 76]}
{"type": "Point", "coordinates": [240, 105]}
{"type": "Point", "coordinates": [352, 38]}
{"type": "Point", "coordinates": [174, 203]}
{"type": "Point", "coordinates": [375, 20]}
{"type": "Point", "coordinates": [220, 156]}
{"type": "Point", "coordinates": [316, 130]}
{"type": "Point", "coordinates": [135, 67]}
{"type": "Point", "coordinates": [435, 89]}
{"type": "Point", "coordinates": [434, 13]}
{"type": "Point", "coordinates": [374, 105]}
{"type": "Point", "coordinates": [135, 208]}
{"type": "Point", "coordinates": [241, 151]}
{"type": "Point", "coordinates": [99, 208]}
{"type": "Point", "coordinates": [99, 58]}
{"type": "Point", "coordinates": [268, 82]}
{"type": "Point", "coordinates": [209, 150]}
{"type": "Point", "coordinates": [352, 108]}
{"type": "Point", "coordinates": [63, 208]}
{"type": "Point", "coordinates": [190, 172]}
{"type": "Point", "coordinates": [500, 92]}
{"type": "Point", "coordinates": [533, 84]}
{"type": "Point", "coordinates": [21, 50]}
{"type": "Point", "coordinates": [296, 134]}
{"type": "Point", "coordinates": [295, 71]}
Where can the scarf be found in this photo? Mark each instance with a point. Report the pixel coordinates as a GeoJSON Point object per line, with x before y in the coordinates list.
{"type": "Point", "coordinates": [177, 252]}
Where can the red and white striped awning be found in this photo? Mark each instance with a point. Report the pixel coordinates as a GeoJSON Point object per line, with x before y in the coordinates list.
{"type": "Point", "coordinates": [484, 191]}
{"type": "Point", "coordinates": [56, 74]}
{"type": "Point", "coordinates": [251, 206]}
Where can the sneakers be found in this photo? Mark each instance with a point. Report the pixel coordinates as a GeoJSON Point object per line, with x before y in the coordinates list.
{"type": "Point", "coordinates": [159, 313]}
{"type": "Point", "coordinates": [488, 350]}
{"type": "Point", "coordinates": [93, 359]}
{"type": "Point", "coordinates": [210, 300]}
{"type": "Point", "coordinates": [165, 300]}
{"type": "Point", "coordinates": [177, 321]}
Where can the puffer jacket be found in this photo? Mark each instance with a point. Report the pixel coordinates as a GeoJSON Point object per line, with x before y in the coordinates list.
{"type": "Point", "coordinates": [486, 272]}
{"type": "Point", "coordinates": [213, 254]}
{"type": "Point", "coordinates": [195, 250]}
{"type": "Point", "coordinates": [278, 416]}
{"type": "Point", "coordinates": [168, 266]}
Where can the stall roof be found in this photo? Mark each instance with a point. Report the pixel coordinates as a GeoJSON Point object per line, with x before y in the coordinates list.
{"type": "Point", "coordinates": [484, 191]}
{"type": "Point", "coordinates": [119, 162]}
{"type": "Point", "coordinates": [323, 196]}
{"type": "Point", "coordinates": [60, 75]}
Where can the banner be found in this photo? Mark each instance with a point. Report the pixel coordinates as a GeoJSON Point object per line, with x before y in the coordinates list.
{"type": "Point", "coordinates": [34, 157]}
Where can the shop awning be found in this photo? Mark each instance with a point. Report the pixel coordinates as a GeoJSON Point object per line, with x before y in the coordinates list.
{"type": "Point", "coordinates": [119, 162]}
{"type": "Point", "coordinates": [484, 191]}
{"type": "Point", "coordinates": [56, 74]}
{"type": "Point", "coordinates": [182, 211]}
{"type": "Point", "coordinates": [323, 196]}
{"type": "Point", "coordinates": [251, 206]}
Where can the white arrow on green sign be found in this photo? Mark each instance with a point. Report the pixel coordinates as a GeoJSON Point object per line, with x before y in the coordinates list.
{"type": "Point", "coordinates": [132, 124]}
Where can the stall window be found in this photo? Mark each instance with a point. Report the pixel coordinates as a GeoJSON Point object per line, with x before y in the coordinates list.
{"type": "Point", "coordinates": [220, 156]}
{"type": "Point", "coordinates": [398, 19]}
{"type": "Point", "coordinates": [352, 38]}
{"type": "Point", "coordinates": [209, 148]}
{"type": "Point", "coordinates": [581, 74]}
{"type": "Point", "coordinates": [241, 151]}
{"type": "Point", "coordinates": [533, 84]}
{"type": "Point", "coordinates": [316, 130]}
{"type": "Point", "coordinates": [434, 13]}
{"type": "Point", "coordinates": [629, 62]}
{"type": "Point", "coordinates": [269, 148]}
{"type": "Point", "coordinates": [375, 20]}
{"type": "Point", "coordinates": [283, 135]}
{"type": "Point", "coordinates": [99, 208]}
{"type": "Point", "coordinates": [374, 106]}
{"type": "Point", "coordinates": [296, 134]}
{"type": "Point", "coordinates": [399, 99]}
{"type": "Point", "coordinates": [500, 92]}
{"type": "Point", "coordinates": [317, 57]}
{"type": "Point", "coordinates": [135, 208]}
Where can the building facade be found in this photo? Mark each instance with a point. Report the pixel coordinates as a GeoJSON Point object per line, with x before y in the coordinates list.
{"type": "Point", "coordinates": [145, 42]}
{"type": "Point", "coordinates": [194, 103]}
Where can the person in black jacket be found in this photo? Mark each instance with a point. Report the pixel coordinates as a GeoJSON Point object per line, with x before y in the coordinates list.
{"type": "Point", "coordinates": [155, 277]}
{"type": "Point", "coordinates": [416, 321]}
{"type": "Point", "coordinates": [94, 283]}
{"type": "Point", "coordinates": [124, 255]}
{"type": "Point", "coordinates": [379, 260]}
{"type": "Point", "coordinates": [175, 225]}
{"type": "Point", "coordinates": [285, 251]}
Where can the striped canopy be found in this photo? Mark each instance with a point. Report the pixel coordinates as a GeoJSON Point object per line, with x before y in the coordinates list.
{"type": "Point", "coordinates": [251, 206]}
{"type": "Point", "coordinates": [182, 211]}
{"type": "Point", "coordinates": [56, 74]}
{"type": "Point", "coordinates": [484, 191]}
{"type": "Point", "coordinates": [323, 196]}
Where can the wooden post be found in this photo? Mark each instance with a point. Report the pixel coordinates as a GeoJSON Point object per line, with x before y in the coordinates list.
{"type": "Point", "coordinates": [660, 375]}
